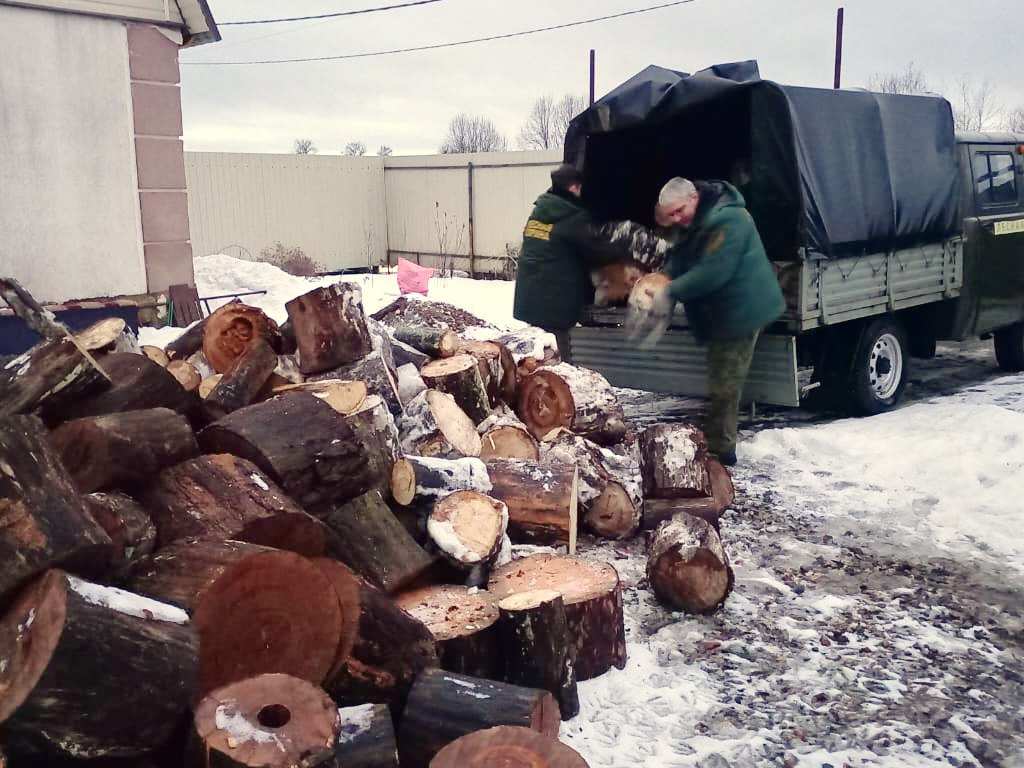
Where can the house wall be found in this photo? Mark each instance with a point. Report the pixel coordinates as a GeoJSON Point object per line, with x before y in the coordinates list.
{"type": "Point", "coordinates": [142, 10]}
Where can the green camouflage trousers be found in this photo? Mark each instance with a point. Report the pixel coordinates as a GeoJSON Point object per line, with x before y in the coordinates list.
{"type": "Point", "coordinates": [728, 365]}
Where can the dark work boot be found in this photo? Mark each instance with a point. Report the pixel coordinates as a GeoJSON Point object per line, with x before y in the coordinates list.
{"type": "Point", "coordinates": [728, 458]}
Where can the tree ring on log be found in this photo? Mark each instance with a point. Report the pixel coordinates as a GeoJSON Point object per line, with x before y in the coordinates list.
{"type": "Point", "coordinates": [507, 745]}
{"type": "Point", "coordinates": [101, 334]}
{"type": "Point", "coordinates": [508, 443]}
{"type": "Point", "coordinates": [544, 402]}
{"type": "Point", "coordinates": [454, 424]}
{"type": "Point", "coordinates": [343, 396]}
{"type": "Point", "coordinates": [230, 329]}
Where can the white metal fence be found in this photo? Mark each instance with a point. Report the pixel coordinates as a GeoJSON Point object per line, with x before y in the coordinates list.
{"type": "Point", "coordinates": [461, 211]}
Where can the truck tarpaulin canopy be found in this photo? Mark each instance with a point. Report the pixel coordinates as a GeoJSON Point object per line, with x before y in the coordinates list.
{"type": "Point", "coordinates": [834, 171]}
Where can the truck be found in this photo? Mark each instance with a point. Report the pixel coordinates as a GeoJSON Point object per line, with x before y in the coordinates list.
{"type": "Point", "coordinates": [889, 231]}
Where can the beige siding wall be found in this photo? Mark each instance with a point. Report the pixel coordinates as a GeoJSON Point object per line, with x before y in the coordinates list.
{"type": "Point", "coordinates": [330, 207]}
{"type": "Point", "coordinates": [142, 10]}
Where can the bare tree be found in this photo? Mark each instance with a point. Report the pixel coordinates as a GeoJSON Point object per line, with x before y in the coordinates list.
{"type": "Point", "coordinates": [355, 149]}
{"type": "Point", "coordinates": [472, 134]}
{"type": "Point", "coordinates": [974, 108]}
{"type": "Point", "coordinates": [549, 120]}
{"type": "Point", "coordinates": [909, 80]}
{"type": "Point", "coordinates": [1015, 122]}
{"type": "Point", "coordinates": [384, 150]}
{"type": "Point", "coordinates": [305, 147]}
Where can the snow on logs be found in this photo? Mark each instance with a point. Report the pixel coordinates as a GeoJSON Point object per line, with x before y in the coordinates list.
{"type": "Point", "coordinates": [435, 425]}
{"type": "Point", "coordinates": [503, 435]}
{"type": "Point", "coordinates": [330, 327]}
{"type": "Point", "coordinates": [592, 596]}
{"type": "Point", "coordinates": [575, 398]}
{"type": "Point", "coordinates": [468, 527]}
{"type": "Point", "coordinates": [687, 565]}
{"type": "Point", "coordinates": [92, 671]}
{"type": "Point", "coordinates": [541, 500]}
{"type": "Point", "coordinates": [430, 478]}
{"type": "Point", "coordinates": [507, 745]}
{"type": "Point", "coordinates": [459, 376]}
{"type": "Point", "coordinates": [708, 507]}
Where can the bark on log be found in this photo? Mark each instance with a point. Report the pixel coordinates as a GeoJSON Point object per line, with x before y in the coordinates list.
{"type": "Point", "coordinates": [44, 522]}
{"type": "Point", "coordinates": [266, 721]}
{"type": "Point", "coordinates": [375, 429]}
{"type": "Point", "coordinates": [434, 425]}
{"type": "Point", "coordinates": [91, 671]}
{"type": "Point", "coordinates": [53, 373]}
{"type": "Point", "coordinates": [435, 342]}
{"type": "Point", "coordinates": [229, 331]}
{"type": "Point", "coordinates": [221, 496]}
{"type": "Point", "coordinates": [597, 412]}
{"type": "Point", "coordinates": [123, 449]}
{"type": "Point", "coordinates": [507, 745]}
{"type": "Point", "coordinates": [302, 443]}
{"type": "Point", "coordinates": [242, 382]}
{"type": "Point", "coordinates": [467, 527]}
{"type": "Point", "coordinates": [446, 705]}
{"type": "Point", "coordinates": [343, 396]}
{"type": "Point", "coordinates": [129, 527]}
{"type": "Point", "coordinates": [593, 604]}
{"type": "Point", "coordinates": [410, 383]}
{"type": "Point", "coordinates": [427, 478]}
{"type": "Point", "coordinates": [673, 462]}
{"type": "Point", "coordinates": [464, 622]}
{"type": "Point", "coordinates": [459, 376]}
{"type": "Point", "coordinates": [300, 621]}
{"type": "Point", "coordinates": [710, 507]}
{"type": "Point", "coordinates": [371, 369]}
{"type": "Point", "coordinates": [405, 354]}
{"type": "Point", "coordinates": [503, 435]}
{"type": "Point", "coordinates": [389, 647]}
{"type": "Point", "coordinates": [497, 369]}
{"type": "Point", "coordinates": [330, 327]}
{"type": "Point", "coordinates": [609, 489]}
{"type": "Point", "coordinates": [687, 565]}
{"type": "Point", "coordinates": [538, 650]}
{"type": "Point", "coordinates": [186, 374]}
{"type": "Point", "coordinates": [542, 500]}
{"type": "Point", "coordinates": [371, 541]}
{"type": "Point", "coordinates": [529, 343]}
{"type": "Point", "coordinates": [366, 738]}
{"type": "Point", "coordinates": [137, 383]}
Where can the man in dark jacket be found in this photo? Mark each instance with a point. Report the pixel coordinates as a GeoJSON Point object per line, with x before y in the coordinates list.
{"type": "Point", "coordinates": [721, 274]}
{"type": "Point", "coordinates": [561, 244]}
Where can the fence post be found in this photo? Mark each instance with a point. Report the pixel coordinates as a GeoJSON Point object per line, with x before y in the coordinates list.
{"type": "Point", "coordinates": [472, 249]}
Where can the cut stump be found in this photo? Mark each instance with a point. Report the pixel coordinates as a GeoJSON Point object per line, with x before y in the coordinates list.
{"type": "Point", "coordinates": [507, 745]}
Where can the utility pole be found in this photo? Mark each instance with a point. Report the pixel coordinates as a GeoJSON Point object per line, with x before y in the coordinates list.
{"type": "Point", "coordinates": [839, 47]}
{"type": "Point", "coordinates": [591, 77]}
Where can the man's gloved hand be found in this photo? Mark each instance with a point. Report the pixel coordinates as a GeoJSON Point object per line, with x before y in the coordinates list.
{"type": "Point", "coordinates": [650, 310]}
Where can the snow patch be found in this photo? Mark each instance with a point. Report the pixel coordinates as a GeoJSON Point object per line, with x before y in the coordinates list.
{"type": "Point", "coordinates": [126, 602]}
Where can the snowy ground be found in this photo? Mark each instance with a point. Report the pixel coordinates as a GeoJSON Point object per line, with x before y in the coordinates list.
{"type": "Point", "coordinates": [878, 614]}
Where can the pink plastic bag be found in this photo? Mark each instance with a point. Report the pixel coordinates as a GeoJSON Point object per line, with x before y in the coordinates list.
{"type": "Point", "coordinates": [412, 278]}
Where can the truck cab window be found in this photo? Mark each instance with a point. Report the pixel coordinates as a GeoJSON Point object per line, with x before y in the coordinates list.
{"type": "Point", "coordinates": [994, 179]}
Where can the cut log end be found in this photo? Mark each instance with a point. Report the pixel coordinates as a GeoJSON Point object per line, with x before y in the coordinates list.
{"type": "Point", "coordinates": [454, 424]}
{"type": "Point", "coordinates": [343, 396]}
{"type": "Point", "coordinates": [403, 482]}
{"type": "Point", "coordinates": [508, 443]}
{"type": "Point", "coordinates": [507, 745]}
{"type": "Point", "coordinates": [186, 374]}
{"type": "Point", "coordinates": [524, 601]}
{"type": "Point", "coordinates": [450, 611]}
{"type": "Point", "coordinates": [468, 526]}
{"type": "Point", "coordinates": [544, 402]}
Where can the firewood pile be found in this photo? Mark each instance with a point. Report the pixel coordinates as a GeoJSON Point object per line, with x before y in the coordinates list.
{"type": "Point", "coordinates": [292, 546]}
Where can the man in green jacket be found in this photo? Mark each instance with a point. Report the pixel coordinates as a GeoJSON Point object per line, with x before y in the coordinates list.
{"type": "Point", "coordinates": [721, 274]}
{"type": "Point", "coordinates": [561, 244]}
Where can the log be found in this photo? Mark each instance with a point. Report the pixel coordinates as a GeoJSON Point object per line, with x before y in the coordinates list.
{"type": "Point", "coordinates": [467, 527]}
{"type": "Point", "coordinates": [54, 372]}
{"type": "Point", "coordinates": [156, 354]}
{"type": "Point", "coordinates": [300, 621]}
{"type": "Point", "coordinates": [544, 402]}
{"type": "Point", "coordinates": [446, 705]}
{"type": "Point", "coordinates": [464, 622]}
{"type": "Point", "coordinates": [388, 649]}
{"type": "Point", "coordinates": [380, 341]}
{"type": "Point", "coordinates": [609, 488]}
{"type": "Point", "coordinates": [410, 383]}
{"type": "Point", "coordinates": [434, 342]}
{"type": "Point", "coordinates": [242, 382]}
{"type": "Point", "coordinates": [91, 671]}
{"type": "Point", "coordinates": [343, 396]}
{"type": "Point", "coordinates": [425, 477]}
{"type": "Point", "coordinates": [407, 355]}
{"type": "Point", "coordinates": [539, 653]}
{"type": "Point", "coordinates": [136, 383]}
{"type": "Point", "coordinates": [531, 343]}
{"type": "Point", "coordinates": [673, 461]}
{"type": "Point", "coordinates": [371, 369]}
{"type": "Point", "coordinates": [221, 496]}
{"type": "Point", "coordinates": [330, 327]}
{"type": "Point", "coordinates": [44, 522]}
{"type": "Point", "coordinates": [129, 527]}
{"type": "Point", "coordinates": [503, 435]}
{"type": "Point", "coordinates": [687, 565]}
{"type": "Point", "coordinates": [189, 342]}
{"type": "Point", "coordinates": [596, 411]}
{"type": "Point", "coordinates": [542, 500]}
{"type": "Point", "coordinates": [459, 376]}
{"type": "Point", "coordinates": [434, 425]}
{"type": "Point", "coordinates": [366, 738]}
{"type": "Point", "coordinates": [593, 604]}
{"type": "Point", "coordinates": [123, 449]}
{"type": "Point", "coordinates": [375, 429]}
{"type": "Point", "coordinates": [371, 541]}
{"type": "Point", "coordinates": [656, 511]}
{"type": "Point", "coordinates": [207, 385]}
{"type": "Point", "coordinates": [507, 745]}
{"type": "Point", "coordinates": [185, 373]}
{"type": "Point", "coordinates": [266, 721]}
{"type": "Point", "coordinates": [302, 443]}
{"type": "Point", "coordinates": [229, 330]}
{"type": "Point", "coordinates": [497, 369]}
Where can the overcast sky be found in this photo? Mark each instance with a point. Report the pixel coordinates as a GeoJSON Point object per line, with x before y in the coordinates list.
{"type": "Point", "coordinates": [406, 100]}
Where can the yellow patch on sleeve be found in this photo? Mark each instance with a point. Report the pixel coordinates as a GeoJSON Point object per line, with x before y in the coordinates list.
{"type": "Point", "coordinates": [538, 230]}
{"type": "Point", "coordinates": [714, 241]}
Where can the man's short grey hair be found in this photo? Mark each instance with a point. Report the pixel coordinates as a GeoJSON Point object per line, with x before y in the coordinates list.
{"type": "Point", "coordinates": [676, 190]}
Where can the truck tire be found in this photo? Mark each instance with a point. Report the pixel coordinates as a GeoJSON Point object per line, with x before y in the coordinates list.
{"type": "Point", "coordinates": [1009, 344]}
{"type": "Point", "coordinates": [880, 367]}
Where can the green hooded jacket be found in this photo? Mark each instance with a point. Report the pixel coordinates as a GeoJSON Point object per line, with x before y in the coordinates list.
{"type": "Point", "coordinates": [719, 268]}
{"type": "Point", "coordinates": [561, 244]}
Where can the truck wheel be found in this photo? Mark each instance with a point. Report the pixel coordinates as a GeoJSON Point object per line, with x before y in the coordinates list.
{"type": "Point", "coordinates": [1009, 343]}
{"type": "Point", "coordinates": [880, 367]}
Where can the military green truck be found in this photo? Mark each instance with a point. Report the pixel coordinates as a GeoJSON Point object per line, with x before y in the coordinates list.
{"type": "Point", "coordinates": [889, 231]}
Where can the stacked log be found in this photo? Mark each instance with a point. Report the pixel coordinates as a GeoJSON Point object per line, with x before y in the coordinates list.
{"type": "Point", "coordinates": [433, 342]}
{"type": "Point", "coordinates": [467, 527]}
{"type": "Point", "coordinates": [507, 745]}
{"type": "Point", "coordinates": [541, 500]}
{"type": "Point", "coordinates": [366, 738]}
{"type": "Point", "coordinates": [229, 331]}
{"type": "Point", "coordinates": [330, 328]}
{"type": "Point", "coordinates": [503, 435]}
{"type": "Point", "coordinates": [129, 526]}
{"type": "Point", "coordinates": [435, 425]}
